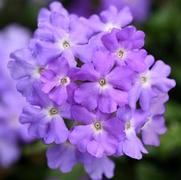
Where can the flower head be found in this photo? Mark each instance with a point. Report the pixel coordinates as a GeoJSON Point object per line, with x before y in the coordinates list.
{"type": "Point", "coordinates": [93, 91]}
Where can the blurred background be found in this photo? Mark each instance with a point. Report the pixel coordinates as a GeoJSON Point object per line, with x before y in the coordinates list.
{"type": "Point", "coordinates": [161, 21]}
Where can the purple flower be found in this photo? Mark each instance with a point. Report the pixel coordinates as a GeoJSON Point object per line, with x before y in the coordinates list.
{"type": "Point", "coordinates": [59, 35]}
{"type": "Point", "coordinates": [56, 80]}
{"type": "Point", "coordinates": [26, 69]}
{"type": "Point", "coordinates": [46, 121]}
{"type": "Point", "coordinates": [66, 156]}
{"type": "Point", "coordinates": [109, 19]}
{"type": "Point", "coordinates": [98, 135]}
{"type": "Point", "coordinates": [48, 15]}
{"type": "Point", "coordinates": [8, 43]}
{"type": "Point", "coordinates": [62, 157]}
{"type": "Point", "coordinates": [97, 167]}
{"type": "Point", "coordinates": [139, 8]}
{"type": "Point", "coordinates": [125, 45]}
{"type": "Point", "coordinates": [130, 143]}
{"type": "Point", "coordinates": [94, 44]}
{"type": "Point", "coordinates": [155, 124]}
{"type": "Point", "coordinates": [106, 86]}
{"type": "Point", "coordinates": [11, 103]}
{"type": "Point", "coordinates": [151, 79]}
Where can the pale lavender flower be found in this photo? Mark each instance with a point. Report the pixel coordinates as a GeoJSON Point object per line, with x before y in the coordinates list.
{"type": "Point", "coordinates": [26, 68]}
{"type": "Point", "coordinates": [97, 167]}
{"type": "Point", "coordinates": [63, 157]}
{"type": "Point", "coordinates": [56, 80]}
{"type": "Point", "coordinates": [125, 45]}
{"type": "Point", "coordinates": [45, 15]}
{"type": "Point", "coordinates": [106, 86]}
{"type": "Point", "coordinates": [109, 19]}
{"type": "Point", "coordinates": [12, 133]}
{"type": "Point", "coordinates": [139, 8]}
{"type": "Point", "coordinates": [58, 34]}
{"type": "Point", "coordinates": [154, 78]}
{"type": "Point", "coordinates": [98, 134]}
{"type": "Point", "coordinates": [155, 124]}
{"type": "Point", "coordinates": [130, 143]}
{"type": "Point", "coordinates": [66, 156]}
{"type": "Point", "coordinates": [46, 121]}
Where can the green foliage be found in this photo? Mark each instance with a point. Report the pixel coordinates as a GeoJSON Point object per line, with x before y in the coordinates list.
{"type": "Point", "coordinates": [76, 173]}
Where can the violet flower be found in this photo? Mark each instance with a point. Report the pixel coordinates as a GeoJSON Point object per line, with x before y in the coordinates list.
{"type": "Point", "coordinates": [155, 124]}
{"type": "Point", "coordinates": [98, 135]}
{"type": "Point", "coordinates": [46, 121]}
{"type": "Point", "coordinates": [58, 34]}
{"type": "Point", "coordinates": [12, 133]}
{"type": "Point", "coordinates": [63, 157]}
{"type": "Point", "coordinates": [56, 80]}
{"type": "Point", "coordinates": [125, 45]}
{"type": "Point", "coordinates": [130, 143]}
{"type": "Point", "coordinates": [97, 167]}
{"type": "Point", "coordinates": [104, 88]}
{"type": "Point", "coordinates": [151, 79]}
{"type": "Point", "coordinates": [109, 19]}
{"type": "Point", "coordinates": [66, 156]}
{"type": "Point", "coordinates": [139, 8]}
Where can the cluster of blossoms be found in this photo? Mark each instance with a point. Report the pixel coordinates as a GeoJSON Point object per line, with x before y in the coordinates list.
{"type": "Point", "coordinates": [12, 133]}
{"type": "Point", "coordinates": [93, 91]}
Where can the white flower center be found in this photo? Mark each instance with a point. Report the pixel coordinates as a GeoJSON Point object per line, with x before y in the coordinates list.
{"type": "Point", "coordinates": [128, 125]}
{"type": "Point", "coordinates": [120, 53]}
{"type": "Point", "coordinates": [145, 79]}
{"type": "Point", "coordinates": [53, 111]}
{"type": "Point", "coordinates": [40, 70]}
{"type": "Point", "coordinates": [64, 81]}
{"type": "Point", "coordinates": [37, 72]}
{"type": "Point", "coordinates": [98, 126]}
{"type": "Point", "coordinates": [66, 44]}
{"type": "Point", "coordinates": [102, 82]}
{"type": "Point", "coordinates": [109, 27]}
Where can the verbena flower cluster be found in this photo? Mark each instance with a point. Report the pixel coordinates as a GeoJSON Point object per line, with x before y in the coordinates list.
{"type": "Point", "coordinates": [93, 91]}
{"type": "Point", "coordinates": [12, 133]}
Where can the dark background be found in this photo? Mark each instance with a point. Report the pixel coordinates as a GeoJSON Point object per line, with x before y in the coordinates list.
{"type": "Point", "coordinates": [163, 40]}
